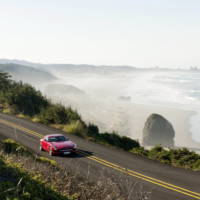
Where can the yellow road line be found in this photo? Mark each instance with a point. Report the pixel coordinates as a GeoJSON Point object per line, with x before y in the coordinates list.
{"type": "Point", "coordinates": [116, 167]}
{"type": "Point", "coordinates": [139, 174]}
{"type": "Point", "coordinates": [146, 178]}
{"type": "Point", "coordinates": [21, 128]}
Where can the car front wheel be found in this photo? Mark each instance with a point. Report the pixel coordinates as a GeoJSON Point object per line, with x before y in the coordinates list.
{"type": "Point", "coordinates": [50, 152]}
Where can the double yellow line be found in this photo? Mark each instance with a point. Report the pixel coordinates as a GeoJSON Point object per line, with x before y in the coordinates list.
{"type": "Point", "coordinates": [116, 167]}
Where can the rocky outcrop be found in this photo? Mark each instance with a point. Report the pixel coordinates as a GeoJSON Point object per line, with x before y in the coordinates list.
{"type": "Point", "coordinates": [158, 130]}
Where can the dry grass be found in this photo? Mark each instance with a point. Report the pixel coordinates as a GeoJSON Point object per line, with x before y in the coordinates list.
{"type": "Point", "coordinates": [35, 119]}
{"type": "Point", "coordinates": [70, 183]}
{"type": "Point", "coordinates": [57, 126]}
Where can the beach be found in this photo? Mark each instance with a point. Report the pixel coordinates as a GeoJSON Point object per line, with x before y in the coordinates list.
{"type": "Point", "coordinates": [180, 120]}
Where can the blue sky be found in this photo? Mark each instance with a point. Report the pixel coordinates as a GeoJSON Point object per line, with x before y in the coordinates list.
{"type": "Point", "coordinates": [142, 33]}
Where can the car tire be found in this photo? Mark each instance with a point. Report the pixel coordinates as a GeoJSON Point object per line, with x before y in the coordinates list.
{"type": "Point", "coordinates": [50, 152]}
{"type": "Point", "coordinates": [74, 153]}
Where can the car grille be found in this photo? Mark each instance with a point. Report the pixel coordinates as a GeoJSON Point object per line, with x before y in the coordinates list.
{"type": "Point", "coordinates": [65, 150]}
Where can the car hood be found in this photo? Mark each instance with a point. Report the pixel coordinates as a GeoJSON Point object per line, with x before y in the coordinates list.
{"type": "Point", "coordinates": [65, 144]}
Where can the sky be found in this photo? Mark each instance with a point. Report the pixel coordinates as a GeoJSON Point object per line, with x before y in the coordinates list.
{"type": "Point", "coordinates": [140, 33]}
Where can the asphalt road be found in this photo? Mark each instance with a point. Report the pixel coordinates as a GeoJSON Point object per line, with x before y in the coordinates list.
{"type": "Point", "coordinates": [160, 181]}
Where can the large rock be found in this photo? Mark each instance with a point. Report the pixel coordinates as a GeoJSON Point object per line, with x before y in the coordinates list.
{"type": "Point", "coordinates": [158, 130]}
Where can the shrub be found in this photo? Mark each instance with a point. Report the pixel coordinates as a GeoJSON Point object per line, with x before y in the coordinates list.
{"type": "Point", "coordinates": [140, 151]}
{"type": "Point", "coordinates": [128, 143]}
{"type": "Point", "coordinates": [5, 81]}
{"type": "Point", "coordinates": [10, 146]}
{"type": "Point", "coordinates": [58, 114]}
{"type": "Point", "coordinates": [77, 128]}
{"type": "Point", "coordinates": [9, 111]}
{"type": "Point", "coordinates": [36, 119]}
{"type": "Point", "coordinates": [93, 130]}
{"type": "Point", "coordinates": [178, 157]}
{"type": "Point", "coordinates": [196, 165]}
{"type": "Point", "coordinates": [184, 157]}
{"type": "Point", "coordinates": [114, 139]}
{"type": "Point", "coordinates": [47, 160]}
{"type": "Point", "coordinates": [164, 156]}
{"type": "Point", "coordinates": [54, 114]}
{"type": "Point", "coordinates": [155, 151]}
{"type": "Point", "coordinates": [160, 154]}
{"type": "Point", "coordinates": [25, 99]}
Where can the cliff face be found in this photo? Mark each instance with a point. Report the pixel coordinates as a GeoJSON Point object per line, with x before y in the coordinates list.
{"type": "Point", "coordinates": [158, 130]}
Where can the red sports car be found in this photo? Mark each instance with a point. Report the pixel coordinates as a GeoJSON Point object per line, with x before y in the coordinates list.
{"type": "Point", "coordinates": [57, 144]}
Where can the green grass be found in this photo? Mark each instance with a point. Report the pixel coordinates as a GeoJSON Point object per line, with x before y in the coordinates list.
{"type": "Point", "coordinates": [47, 160]}
{"type": "Point", "coordinates": [76, 128]}
{"type": "Point", "coordinates": [177, 157]}
{"type": "Point", "coordinates": [17, 184]}
{"type": "Point", "coordinates": [25, 176]}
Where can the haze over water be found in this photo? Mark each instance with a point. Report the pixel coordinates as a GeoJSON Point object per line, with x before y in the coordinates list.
{"type": "Point", "coordinates": [130, 32]}
{"type": "Point", "coordinates": [116, 93]}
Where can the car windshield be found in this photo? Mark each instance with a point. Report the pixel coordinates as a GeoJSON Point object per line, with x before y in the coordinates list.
{"type": "Point", "coordinates": [59, 138]}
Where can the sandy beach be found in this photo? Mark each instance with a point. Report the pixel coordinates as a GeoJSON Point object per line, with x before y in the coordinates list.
{"type": "Point", "coordinates": [128, 118]}
{"type": "Point", "coordinates": [179, 119]}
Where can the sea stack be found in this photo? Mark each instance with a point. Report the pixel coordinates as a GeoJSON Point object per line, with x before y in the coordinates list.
{"type": "Point", "coordinates": [158, 131]}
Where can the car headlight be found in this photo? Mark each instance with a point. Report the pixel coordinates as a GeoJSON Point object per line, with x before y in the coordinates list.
{"type": "Point", "coordinates": [55, 148]}
{"type": "Point", "coordinates": [75, 146]}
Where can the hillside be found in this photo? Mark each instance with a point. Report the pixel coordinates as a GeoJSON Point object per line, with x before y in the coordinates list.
{"type": "Point", "coordinates": [72, 68]}
{"type": "Point", "coordinates": [24, 100]}
{"type": "Point", "coordinates": [26, 73]}
{"type": "Point", "coordinates": [57, 89]}
{"type": "Point", "coordinates": [25, 175]}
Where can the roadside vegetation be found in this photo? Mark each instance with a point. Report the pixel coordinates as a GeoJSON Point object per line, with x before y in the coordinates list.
{"type": "Point", "coordinates": [177, 157]}
{"type": "Point", "coordinates": [25, 101]}
{"type": "Point", "coordinates": [25, 175]}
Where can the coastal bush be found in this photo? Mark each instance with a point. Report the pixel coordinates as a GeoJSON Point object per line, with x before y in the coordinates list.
{"type": "Point", "coordinates": [8, 110]}
{"type": "Point", "coordinates": [161, 154]}
{"type": "Point", "coordinates": [57, 114]}
{"type": "Point", "coordinates": [77, 128]}
{"type": "Point", "coordinates": [140, 151]}
{"type": "Point", "coordinates": [128, 143]}
{"type": "Point", "coordinates": [155, 152]}
{"type": "Point", "coordinates": [11, 146]}
{"type": "Point", "coordinates": [54, 114]}
{"type": "Point", "coordinates": [177, 157]}
{"type": "Point", "coordinates": [93, 130]}
{"type": "Point", "coordinates": [17, 97]}
{"type": "Point", "coordinates": [196, 165]}
{"type": "Point", "coordinates": [184, 157]}
{"type": "Point", "coordinates": [116, 140]}
{"type": "Point", "coordinates": [5, 81]}
{"type": "Point", "coordinates": [25, 99]}
{"type": "Point", "coordinates": [47, 160]}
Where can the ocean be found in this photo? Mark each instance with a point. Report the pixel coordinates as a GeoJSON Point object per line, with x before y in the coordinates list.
{"type": "Point", "coordinates": [109, 97]}
{"type": "Point", "coordinates": [175, 89]}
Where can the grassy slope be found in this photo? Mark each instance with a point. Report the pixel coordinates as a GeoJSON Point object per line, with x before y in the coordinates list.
{"type": "Point", "coordinates": [23, 100]}
{"type": "Point", "coordinates": [24, 176]}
